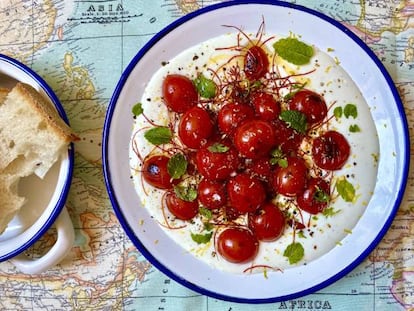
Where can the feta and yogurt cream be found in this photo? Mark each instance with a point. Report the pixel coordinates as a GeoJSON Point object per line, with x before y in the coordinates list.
{"type": "Point", "coordinates": [322, 74]}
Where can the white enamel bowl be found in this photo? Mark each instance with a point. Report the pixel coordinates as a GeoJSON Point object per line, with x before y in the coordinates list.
{"type": "Point", "coordinates": [366, 71]}
{"type": "Point", "coordinates": [46, 198]}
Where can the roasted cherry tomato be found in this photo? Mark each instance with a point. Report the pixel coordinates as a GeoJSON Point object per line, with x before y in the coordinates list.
{"type": "Point", "coordinates": [217, 160]}
{"type": "Point", "coordinates": [179, 93]}
{"type": "Point", "coordinates": [265, 106]}
{"type": "Point", "coordinates": [195, 127]}
{"type": "Point", "coordinates": [254, 139]}
{"type": "Point", "coordinates": [267, 223]}
{"type": "Point", "coordinates": [261, 168]}
{"type": "Point", "coordinates": [212, 194]}
{"type": "Point", "coordinates": [256, 63]}
{"type": "Point", "coordinates": [181, 209]}
{"type": "Point", "coordinates": [155, 171]}
{"type": "Point", "coordinates": [291, 180]}
{"type": "Point", "coordinates": [330, 150]}
{"type": "Point", "coordinates": [316, 196]}
{"type": "Point", "coordinates": [287, 139]}
{"type": "Point", "coordinates": [311, 104]}
{"type": "Point", "coordinates": [246, 193]}
{"type": "Point", "coordinates": [230, 116]}
{"type": "Point", "coordinates": [237, 245]}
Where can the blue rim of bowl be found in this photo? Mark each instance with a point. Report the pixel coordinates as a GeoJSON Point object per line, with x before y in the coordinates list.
{"type": "Point", "coordinates": [112, 194]}
{"type": "Point", "coordinates": [64, 194]}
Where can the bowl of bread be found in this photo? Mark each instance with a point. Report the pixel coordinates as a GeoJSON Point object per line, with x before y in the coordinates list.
{"type": "Point", "coordinates": [36, 164]}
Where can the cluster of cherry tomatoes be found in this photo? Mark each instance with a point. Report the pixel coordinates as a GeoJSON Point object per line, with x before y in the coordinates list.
{"type": "Point", "coordinates": [243, 149]}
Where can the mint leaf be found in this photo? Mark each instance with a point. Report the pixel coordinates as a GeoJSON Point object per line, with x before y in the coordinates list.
{"type": "Point", "coordinates": [350, 110]}
{"type": "Point", "coordinates": [205, 87]}
{"type": "Point", "coordinates": [278, 158]}
{"type": "Point", "coordinates": [177, 165]}
{"type": "Point", "coordinates": [338, 112]}
{"type": "Point", "coordinates": [354, 128]}
{"type": "Point", "coordinates": [321, 196]}
{"type": "Point", "coordinates": [294, 51]}
{"type": "Point", "coordinates": [294, 252]}
{"type": "Point", "coordinates": [207, 213]}
{"type": "Point", "coordinates": [294, 119]}
{"type": "Point", "coordinates": [185, 193]}
{"type": "Point", "coordinates": [158, 135]}
{"type": "Point", "coordinates": [297, 88]}
{"type": "Point", "coordinates": [218, 148]}
{"type": "Point", "coordinates": [201, 238]}
{"type": "Point", "coordinates": [345, 189]}
{"type": "Point", "coordinates": [329, 212]}
{"type": "Point", "coordinates": [137, 109]}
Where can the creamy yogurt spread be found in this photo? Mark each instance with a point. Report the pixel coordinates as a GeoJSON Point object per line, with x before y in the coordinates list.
{"type": "Point", "coordinates": [323, 231]}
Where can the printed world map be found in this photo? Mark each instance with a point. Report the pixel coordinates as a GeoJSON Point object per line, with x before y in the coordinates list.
{"type": "Point", "coordinates": [81, 48]}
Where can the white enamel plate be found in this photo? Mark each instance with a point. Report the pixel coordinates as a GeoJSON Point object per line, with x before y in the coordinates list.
{"type": "Point", "coordinates": [385, 109]}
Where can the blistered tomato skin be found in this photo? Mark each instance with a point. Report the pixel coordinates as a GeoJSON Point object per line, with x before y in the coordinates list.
{"type": "Point", "coordinates": [254, 139]}
{"type": "Point", "coordinates": [291, 180]}
{"type": "Point", "coordinates": [217, 165]}
{"type": "Point", "coordinates": [265, 106]}
{"type": "Point", "coordinates": [181, 209]}
{"type": "Point", "coordinates": [316, 196]}
{"type": "Point", "coordinates": [179, 93]}
{"type": "Point", "coordinates": [246, 193]}
{"type": "Point", "coordinates": [195, 127]}
{"type": "Point", "coordinates": [237, 245]}
{"type": "Point", "coordinates": [287, 139]}
{"type": "Point", "coordinates": [311, 104]}
{"type": "Point", "coordinates": [232, 115]}
{"type": "Point", "coordinates": [154, 172]}
{"type": "Point", "coordinates": [211, 194]}
{"type": "Point", "coordinates": [267, 223]}
{"type": "Point", "coordinates": [256, 63]}
{"type": "Point", "coordinates": [330, 151]}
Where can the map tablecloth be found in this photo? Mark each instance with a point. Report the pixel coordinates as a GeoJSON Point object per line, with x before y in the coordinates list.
{"type": "Point", "coordinates": [81, 47]}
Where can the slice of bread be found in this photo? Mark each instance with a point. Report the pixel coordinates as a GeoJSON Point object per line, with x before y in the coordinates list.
{"type": "Point", "coordinates": [10, 202]}
{"type": "Point", "coordinates": [32, 138]}
{"type": "Point", "coordinates": [30, 129]}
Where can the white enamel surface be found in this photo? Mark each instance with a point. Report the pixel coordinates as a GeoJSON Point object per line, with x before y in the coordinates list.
{"type": "Point", "coordinates": [324, 76]}
{"type": "Point", "coordinates": [43, 195]}
{"type": "Point", "coordinates": [184, 267]}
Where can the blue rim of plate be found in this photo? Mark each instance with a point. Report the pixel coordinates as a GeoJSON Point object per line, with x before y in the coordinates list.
{"type": "Point", "coordinates": [112, 195]}
{"type": "Point", "coordinates": [64, 194]}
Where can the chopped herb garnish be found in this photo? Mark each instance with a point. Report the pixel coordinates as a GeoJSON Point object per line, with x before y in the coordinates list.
{"type": "Point", "coordinates": [158, 135]}
{"type": "Point", "coordinates": [177, 165]}
{"type": "Point", "coordinates": [338, 112]}
{"type": "Point", "coordinates": [297, 88]}
{"type": "Point", "coordinates": [321, 196]}
{"type": "Point", "coordinates": [354, 128]}
{"type": "Point", "coordinates": [205, 87]}
{"type": "Point", "coordinates": [207, 213]}
{"type": "Point", "coordinates": [294, 51]}
{"type": "Point", "coordinates": [137, 109]}
{"type": "Point", "coordinates": [218, 148]}
{"type": "Point", "coordinates": [185, 193]}
{"type": "Point", "coordinates": [345, 189]}
{"type": "Point", "coordinates": [294, 252]}
{"type": "Point", "coordinates": [278, 158]}
{"type": "Point", "coordinates": [350, 110]}
{"type": "Point", "coordinates": [329, 212]}
{"type": "Point", "coordinates": [201, 238]}
{"type": "Point", "coordinates": [294, 119]}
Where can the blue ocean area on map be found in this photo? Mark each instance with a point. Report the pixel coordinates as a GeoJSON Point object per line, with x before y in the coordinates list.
{"type": "Point", "coordinates": [81, 50]}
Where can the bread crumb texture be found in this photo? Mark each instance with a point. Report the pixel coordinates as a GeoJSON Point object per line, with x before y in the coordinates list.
{"type": "Point", "coordinates": [32, 138]}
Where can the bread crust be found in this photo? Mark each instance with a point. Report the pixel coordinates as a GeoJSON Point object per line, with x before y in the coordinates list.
{"type": "Point", "coordinates": [3, 94]}
{"type": "Point", "coordinates": [21, 155]}
{"type": "Point", "coordinates": [46, 111]}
